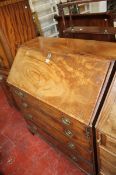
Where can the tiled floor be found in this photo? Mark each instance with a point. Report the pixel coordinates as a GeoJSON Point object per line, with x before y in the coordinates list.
{"type": "Point", "coordinates": [21, 153]}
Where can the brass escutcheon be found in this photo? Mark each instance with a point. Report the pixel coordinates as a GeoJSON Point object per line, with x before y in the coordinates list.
{"type": "Point", "coordinates": [68, 133]}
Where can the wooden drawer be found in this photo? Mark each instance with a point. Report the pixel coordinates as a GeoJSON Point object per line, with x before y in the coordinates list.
{"type": "Point", "coordinates": [107, 168]}
{"type": "Point", "coordinates": [108, 156]}
{"type": "Point", "coordinates": [63, 119]}
{"type": "Point", "coordinates": [79, 151]}
{"type": "Point", "coordinates": [39, 114]}
{"type": "Point", "coordinates": [73, 143]}
{"type": "Point", "coordinates": [87, 167]}
{"type": "Point", "coordinates": [39, 118]}
{"type": "Point", "coordinates": [107, 142]}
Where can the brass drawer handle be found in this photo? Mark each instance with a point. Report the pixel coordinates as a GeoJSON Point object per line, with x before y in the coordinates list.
{"type": "Point", "coordinates": [20, 94]}
{"type": "Point", "coordinates": [66, 121]}
{"type": "Point", "coordinates": [29, 117]}
{"type": "Point", "coordinates": [68, 133]}
{"type": "Point", "coordinates": [25, 105]}
{"type": "Point", "coordinates": [74, 158]}
{"type": "Point", "coordinates": [71, 145]}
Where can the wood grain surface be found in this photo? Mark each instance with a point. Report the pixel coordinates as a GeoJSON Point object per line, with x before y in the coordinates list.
{"type": "Point", "coordinates": [108, 156]}
{"type": "Point", "coordinates": [7, 2]}
{"type": "Point", "coordinates": [107, 168]}
{"type": "Point", "coordinates": [100, 49]}
{"type": "Point", "coordinates": [70, 83]}
{"type": "Point", "coordinates": [91, 30]}
{"type": "Point", "coordinates": [56, 114]}
{"type": "Point", "coordinates": [39, 116]}
{"type": "Point", "coordinates": [107, 119]}
{"type": "Point", "coordinates": [49, 85]}
{"type": "Point", "coordinates": [16, 23]}
{"type": "Point", "coordinates": [106, 132]}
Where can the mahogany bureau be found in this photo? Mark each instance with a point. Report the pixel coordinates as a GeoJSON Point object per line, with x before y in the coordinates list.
{"type": "Point", "coordinates": [58, 87]}
{"type": "Point", "coordinates": [106, 133]}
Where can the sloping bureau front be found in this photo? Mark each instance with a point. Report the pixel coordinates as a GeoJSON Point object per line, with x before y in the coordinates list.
{"type": "Point", "coordinates": [58, 94]}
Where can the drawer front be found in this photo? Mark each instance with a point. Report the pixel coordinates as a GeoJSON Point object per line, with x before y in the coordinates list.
{"type": "Point", "coordinates": [62, 118]}
{"type": "Point", "coordinates": [107, 168]}
{"type": "Point", "coordinates": [40, 116]}
{"type": "Point", "coordinates": [51, 127]}
{"type": "Point", "coordinates": [106, 142]}
{"type": "Point", "coordinates": [84, 165]}
{"type": "Point", "coordinates": [106, 155]}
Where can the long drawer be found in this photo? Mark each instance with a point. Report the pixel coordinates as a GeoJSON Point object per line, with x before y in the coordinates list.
{"type": "Point", "coordinates": [107, 168]}
{"type": "Point", "coordinates": [63, 119]}
{"type": "Point", "coordinates": [39, 115]}
{"type": "Point", "coordinates": [87, 167]}
{"type": "Point", "coordinates": [108, 156]}
{"type": "Point", "coordinates": [51, 127]}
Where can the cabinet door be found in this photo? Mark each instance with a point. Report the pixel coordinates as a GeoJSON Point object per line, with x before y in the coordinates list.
{"type": "Point", "coordinates": [16, 23]}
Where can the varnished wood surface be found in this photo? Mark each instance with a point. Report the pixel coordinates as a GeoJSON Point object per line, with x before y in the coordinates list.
{"type": "Point", "coordinates": [8, 2]}
{"type": "Point", "coordinates": [107, 119]}
{"type": "Point", "coordinates": [109, 143]}
{"type": "Point", "coordinates": [76, 46]}
{"type": "Point", "coordinates": [108, 156]}
{"type": "Point", "coordinates": [39, 116]}
{"type": "Point", "coordinates": [16, 27]}
{"type": "Point", "coordinates": [107, 168]}
{"type": "Point", "coordinates": [69, 83]}
{"type": "Point", "coordinates": [16, 23]}
{"type": "Point", "coordinates": [54, 119]}
{"type": "Point", "coordinates": [81, 145]}
{"type": "Point", "coordinates": [106, 133]}
{"type": "Point", "coordinates": [91, 19]}
{"type": "Point", "coordinates": [91, 30]}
